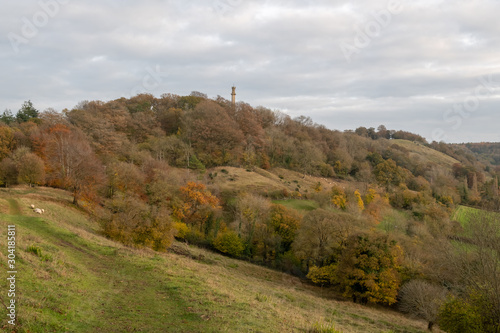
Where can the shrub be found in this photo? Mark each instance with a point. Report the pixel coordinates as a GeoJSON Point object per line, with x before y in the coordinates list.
{"type": "Point", "coordinates": [181, 230]}
{"type": "Point", "coordinates": [35, 250]}
{"type": "Point", "coordinates": [322, 275]}
{"type": "Point", "coordinates": [458, 316]}
{"type": "Point", "coordinates": [229, 243]}
{"type": "Point", "coordinates": [38, 252]}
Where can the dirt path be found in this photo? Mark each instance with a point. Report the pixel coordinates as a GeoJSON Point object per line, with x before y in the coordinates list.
{"type": "Point", "coordinates": [14, 208]}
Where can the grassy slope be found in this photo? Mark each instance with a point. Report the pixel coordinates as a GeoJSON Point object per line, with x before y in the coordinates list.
{"type": "Point", "coordinates": [259, 180]}
{"type": "Point", "coordinates": [262, 181]}
{"type": "Point", "coordinates": [465, 215]}
{"type": "Point", "coordinates": [426, 154]}
{"type": "Point", "coordinates": [85, 283]}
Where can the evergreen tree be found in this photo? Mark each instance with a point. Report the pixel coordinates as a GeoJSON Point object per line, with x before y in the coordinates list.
{"type": "Point", "coordinates": [27, 112]}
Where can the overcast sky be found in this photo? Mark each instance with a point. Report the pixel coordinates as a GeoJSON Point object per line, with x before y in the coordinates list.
{"type": "Point", "coordinates": [431, 67]}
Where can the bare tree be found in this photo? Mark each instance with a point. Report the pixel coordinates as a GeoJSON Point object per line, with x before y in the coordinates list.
{"type": "Point", "coordinates": [72, 163]}
{"type": "Point", "coordinates": [422, 299]}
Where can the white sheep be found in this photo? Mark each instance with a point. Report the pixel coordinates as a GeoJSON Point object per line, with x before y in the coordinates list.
{"type": "Point", "coordinates": [32, 206]}
{"type": "Point", "coordinates": [38, 210]}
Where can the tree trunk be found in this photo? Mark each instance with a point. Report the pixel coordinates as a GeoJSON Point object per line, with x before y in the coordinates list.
{"type": "Point", "coordinates": [75, 198]}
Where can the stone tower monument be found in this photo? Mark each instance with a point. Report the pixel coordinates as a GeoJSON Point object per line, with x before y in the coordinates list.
{"type": "Point", "coordinates": [233, 96]}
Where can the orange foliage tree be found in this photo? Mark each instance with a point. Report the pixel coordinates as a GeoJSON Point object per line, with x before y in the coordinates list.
{"type": "Point", "coordinates": [197, 204]}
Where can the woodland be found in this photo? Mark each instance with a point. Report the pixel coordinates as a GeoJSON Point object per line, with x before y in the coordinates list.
{"type": "Point", "coordinates": [384, 218]}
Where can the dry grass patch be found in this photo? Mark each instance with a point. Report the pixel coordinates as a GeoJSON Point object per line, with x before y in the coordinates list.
{"type": "Point", "coordinates": [420, 152]}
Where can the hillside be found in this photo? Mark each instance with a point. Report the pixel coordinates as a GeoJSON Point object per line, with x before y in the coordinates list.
{"type": "Point", "coordinates": [488, 151]}
{"type": "Point", "coordinates": [366, 214]}
{"type": "Point", "coordinates": [269, 183]}
{"type": "Point", "coordinates": [422, 154]}
{"type": "Point", "coordinates": [71, 279]}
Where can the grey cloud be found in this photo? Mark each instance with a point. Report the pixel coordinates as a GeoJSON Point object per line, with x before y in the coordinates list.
{"type": "Point", "coordinates": [280, 54]}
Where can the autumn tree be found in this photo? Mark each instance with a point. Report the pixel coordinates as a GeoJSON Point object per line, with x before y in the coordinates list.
{"type": "Point", "coordinates": [126, 178]}
{"type": "Point", "coordinates": [105, 124]}
{"type": "Point", "coordinates": [197, 205]}
{"type": "Point", "coordinates": [252, 130]}
{"type": "Point", "coordinates": [285, 223]}
{"type": "Point", "coordinates": [171, 149]}
{"type": "Point", "coordinates": [280, 147]}
{"type": "Point", "coordinates": [383, 132]}
{"type": "Point", "coordinates": [359, 200]}
{"type": "Point", "coordinates": [162, 183]}
{"type": "Point", "coordinates": [388, 173]}
{"type": "Point", "coordinates": [31, 169]}
{"type": "Point", "coordinates": [229, 243]}
{"type": "Point", "coordinates": [252, 211]}
{"type": "Point", "coordinates": [322, 235]}
{"type": "Point", "coordinates": [338, 197]}
{"type": "Point", "coordinates": [71, 162]}
{"type": "Point", "coordinates": [368, 269]}
{"type": "Point", "coordinates": [6, 141]}
{"type": "Point", "coordinates": [170, 120]}
{"type": "Point", "coordinates": [8, 172]}
{"type": "Point", "coordinates": [308, 159]}
{"type": "Point", "coordinates": [214, 135]}
{"type": "Point", "coordinates": [133, 222]}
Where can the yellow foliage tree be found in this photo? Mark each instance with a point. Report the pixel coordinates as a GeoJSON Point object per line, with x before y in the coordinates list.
{"type": "Point", "coordinates": [369, 269]}
{"type": "Point", "coordinates": [284, 222]}
{"type": "Point", "coordinates": [339, 199]}
{"type": "Point", "coordinates": [370, 195]}
{"type": "Point", "coordinates": [361, 204]}
{"type": "Point", "coordinates": [181, 230]}
{"type": "Point", "coordinates": [322, 275]}
{"type": "Point", "coordinates": [229, 243]}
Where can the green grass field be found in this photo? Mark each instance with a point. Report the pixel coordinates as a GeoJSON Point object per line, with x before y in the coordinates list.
{"type": "Point", "coordinates": [465, 215]}
{"type": "Point", "coordinates": [71, 279]}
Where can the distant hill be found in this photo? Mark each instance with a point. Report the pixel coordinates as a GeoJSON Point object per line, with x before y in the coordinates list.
{"type": "Point", "coordinates": [488, 151]}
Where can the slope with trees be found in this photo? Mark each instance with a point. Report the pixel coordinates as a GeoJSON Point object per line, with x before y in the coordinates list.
{"type": "Point", "coordinates": [151, 169]}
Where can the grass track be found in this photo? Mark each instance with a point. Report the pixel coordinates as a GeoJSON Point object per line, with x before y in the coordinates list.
{"type": "Point", "coordinates": [14, 208]}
